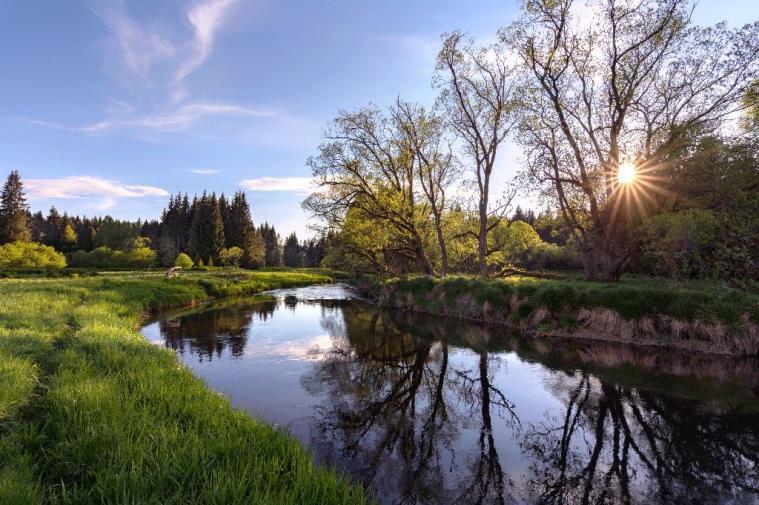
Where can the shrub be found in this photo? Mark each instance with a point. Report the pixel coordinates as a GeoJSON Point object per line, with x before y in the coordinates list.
{"type": "Point", "coordinates": [104, 257]}
{"type": "Point", "coordinates": [183, 261]}
{"type": "Point", "coordinates": [30, 255]}
{"type": "Point", "coordinates": [231, 257]}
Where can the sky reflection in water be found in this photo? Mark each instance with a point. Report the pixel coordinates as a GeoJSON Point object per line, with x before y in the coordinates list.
{"type": "Point", "coordinates": [430, 411]}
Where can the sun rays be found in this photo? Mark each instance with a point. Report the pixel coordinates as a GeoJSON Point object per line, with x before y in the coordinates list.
{"type": "Point", "coordinates": [635, 187]}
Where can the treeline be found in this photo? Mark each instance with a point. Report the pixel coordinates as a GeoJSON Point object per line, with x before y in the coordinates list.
{"type": "Point", "coordinates": [203, 231]}
{"type": "Point", "coordinates": [639, 134]}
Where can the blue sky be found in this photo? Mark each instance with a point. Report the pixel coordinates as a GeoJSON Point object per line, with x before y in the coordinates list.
{"type": "Point", "coordinates": [107, 106]}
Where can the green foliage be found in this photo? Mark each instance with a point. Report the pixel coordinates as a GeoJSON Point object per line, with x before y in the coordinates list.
{"type": "Point", "coordinates": [207, 229]}
{"type": "Point", "coordinates": [683, 241]}
{"type": "Point", "coordinates": [116, 234]}
{"type": "Point", "coordinates": [30, 255]}
{"type": "Point", "coordinates": [291, 253]}
{"type": "Point", "coordinates": [183, 261]}
{"type": "Point", "coordinates": [631, 299]}
{"type": "Point", "coordinates": [231, 256]}
{"type": "Point", "coordinates": [109, 418]}
{"type": "Point", "coordinates": [105, 257]}
{"type": "Point", "coordinates": [14, 220]}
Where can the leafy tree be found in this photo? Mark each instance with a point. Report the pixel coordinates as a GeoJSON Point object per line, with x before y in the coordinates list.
{"type": "Point", "coordinates": [478, 95]}
{"type": "Point", "coordinates": [636, 84]}
{"type": "Point", "coordinates": [231, 256]}
{"type": "Point", "coordinates": [14, 212]}
{"type": "Point", "coordinates": [681, 241]}
{"type": "Point", "coordinates": [30, 255]}
{"type": "Point", "coordinates": [183, 261]}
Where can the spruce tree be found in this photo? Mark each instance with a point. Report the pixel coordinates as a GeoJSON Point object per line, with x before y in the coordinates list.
{"type": "Point", "coordinates": [15, 225]}
{"type": "Point", "coordinates": [291, 252]}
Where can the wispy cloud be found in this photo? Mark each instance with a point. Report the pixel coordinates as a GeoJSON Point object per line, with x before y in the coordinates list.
{"type": "Point", "coordinates": [289, 184]}
{"type": "Point", "coordinates": [204, 171]}
{"type": "Point", "coordinates": [175, 119]}
{"type": "Point", "coordinates": [205, 19]}
{"type": "Point", "coordinates": [139, 47]}
{"type": "Point", "coordinates": [104, 192]}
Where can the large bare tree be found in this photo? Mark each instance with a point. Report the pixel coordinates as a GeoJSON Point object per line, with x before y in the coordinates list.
{"type": "Point", "coordinates": [616, 82]}
{"type": "Point", "coordinates": [477, 84]}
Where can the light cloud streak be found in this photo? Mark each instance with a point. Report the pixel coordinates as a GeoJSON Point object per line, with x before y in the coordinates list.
{"type": "Point", "coordinates": [180, 118]}
{"type": "Point", "coordinates": [161, 67]}
{"type": "Point", "coordinates": [288, 184]}
{"type": "Point", "coordinates": [205, 19]}
{"type": "Point", "coordinates": [204, 171]}
{"type": "Point", "coordinates": [104, 192]}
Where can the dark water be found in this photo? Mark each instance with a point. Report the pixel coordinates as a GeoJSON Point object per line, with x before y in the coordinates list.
{"type": "Point", "coordinates": [436, 412]}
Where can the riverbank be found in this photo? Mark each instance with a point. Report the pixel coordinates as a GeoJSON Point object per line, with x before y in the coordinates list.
{"type": "Point", "coordinates": [90, 412]}
{"type": "Point", "coordinates": [718, 321]}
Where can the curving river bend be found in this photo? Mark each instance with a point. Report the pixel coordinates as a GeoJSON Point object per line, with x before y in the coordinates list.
{"type": "Point", "coordinates": [432, 411]}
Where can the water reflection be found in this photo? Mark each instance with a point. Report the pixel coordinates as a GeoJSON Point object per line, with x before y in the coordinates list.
{"type": "Point", "coordinates": [436, 412]}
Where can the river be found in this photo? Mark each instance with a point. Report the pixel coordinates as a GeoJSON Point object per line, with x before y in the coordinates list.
{"type": "Point", "coordinates": [430, 411]}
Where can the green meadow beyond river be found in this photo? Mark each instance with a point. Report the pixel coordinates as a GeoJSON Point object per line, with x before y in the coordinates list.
{"type": "Point", "coordinates": [423, 410]}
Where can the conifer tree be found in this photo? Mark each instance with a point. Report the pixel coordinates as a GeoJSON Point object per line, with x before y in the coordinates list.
{"type": "Point", "coordinates": [15, 224]}
{"type": "Point", "coordinates": [291, 253]}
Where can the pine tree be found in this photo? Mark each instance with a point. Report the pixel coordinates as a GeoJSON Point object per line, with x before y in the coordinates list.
{"type": "Point", "coordinates": [207, 229]}
{"type": "Point", "coordinates": [273, 249]}
{"type": "Point", "coordinates": [291, 251]}
{"type": "Point", "coordinates": [15, 225]}
{"type": "Point", "coordinates": [240, 232]}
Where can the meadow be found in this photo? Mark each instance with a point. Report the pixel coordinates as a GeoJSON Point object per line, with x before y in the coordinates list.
{"type": "Point", "coordinates": [90, 412]}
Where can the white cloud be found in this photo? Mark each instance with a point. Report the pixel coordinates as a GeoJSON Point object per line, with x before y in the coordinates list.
{"type": "Point", "coordinates": [140, 48]}
{"type": "Point", "coordinates": [289, 184]}
{"type": "Point", "coordinates": [177, 119]}
{"type": "Point", "coordinates": [204, 171]}
{"type": "Point", "coordinates": [105, 192]}
{"type": "Point", "coordinates": [205, 19]}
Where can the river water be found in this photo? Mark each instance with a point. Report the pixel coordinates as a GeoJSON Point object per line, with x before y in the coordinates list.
{"type": "Point", "coordinates": [430, 411]}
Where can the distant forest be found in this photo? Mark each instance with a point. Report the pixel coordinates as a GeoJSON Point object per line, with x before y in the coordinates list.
{"type": "Point", "coordinates": [210, 230]}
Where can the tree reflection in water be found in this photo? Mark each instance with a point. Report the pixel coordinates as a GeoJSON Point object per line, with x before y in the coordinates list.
{"type": "Point", "coordinates": [209, 332]}
{"type": "Point", "coordinates": [617, 445]}
{"type": "Point", "coordinates": [432, 411]}
{"type": "Point", "coordinates": [399, 413]}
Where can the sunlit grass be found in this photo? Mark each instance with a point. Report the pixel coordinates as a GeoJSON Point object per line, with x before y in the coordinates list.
{"type": "Point", "coordinates": [92, 413]}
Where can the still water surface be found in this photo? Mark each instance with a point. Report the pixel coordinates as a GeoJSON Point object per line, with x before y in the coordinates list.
{"type": "Point", "coordinates": [438, 412]}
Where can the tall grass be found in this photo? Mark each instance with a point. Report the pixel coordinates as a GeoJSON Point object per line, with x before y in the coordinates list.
{"type": "Point", "coordinates": [710, 318]}
{"type": "Point", "coordinates": [92, 413]}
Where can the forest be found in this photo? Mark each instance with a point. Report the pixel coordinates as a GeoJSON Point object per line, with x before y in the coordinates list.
{"type": "Point", "coordinates": [201, 232]}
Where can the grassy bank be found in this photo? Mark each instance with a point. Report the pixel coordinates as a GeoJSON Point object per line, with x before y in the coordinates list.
{"type": "Point", "coordinates": [706, 318]}
{"type": "Point", "coordinates": [92, 413]}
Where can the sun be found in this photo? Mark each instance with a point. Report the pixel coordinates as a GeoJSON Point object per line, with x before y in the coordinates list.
{"type": "Point", "coordinates": [626, 173]}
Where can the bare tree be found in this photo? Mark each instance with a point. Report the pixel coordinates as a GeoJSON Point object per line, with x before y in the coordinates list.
{"type": "Point", "coordinates": [477, 94]}
{"type": "Point", "coordinates": [614, 82]}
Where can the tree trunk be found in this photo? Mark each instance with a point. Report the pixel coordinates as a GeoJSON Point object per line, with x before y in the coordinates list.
{"type": "Point", "coordinates": [482, 245]}
{"type": "Point", "coordinates": [441, 243]}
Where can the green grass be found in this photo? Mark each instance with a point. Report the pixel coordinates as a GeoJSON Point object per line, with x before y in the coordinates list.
{"type": "Point", "coordinates": [90, 412]}
{"type": "Point", "coordinates": [632, 298]}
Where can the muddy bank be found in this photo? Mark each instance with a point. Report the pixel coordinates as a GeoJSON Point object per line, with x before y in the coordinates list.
{"type": "Point", "coordinates": [675, 320]}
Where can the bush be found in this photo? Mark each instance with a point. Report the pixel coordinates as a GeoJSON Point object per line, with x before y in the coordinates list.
{"type": "Point", "coordinates": [104, 257]}
{"type": "Point", "coordinates": [183, 261]}
{"type": "Point", "coordinates": [231, 257]}
{"type": "Point", "coordinates": [30, 255]}
{"type": "Point", "coordinates": [682, 243]}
